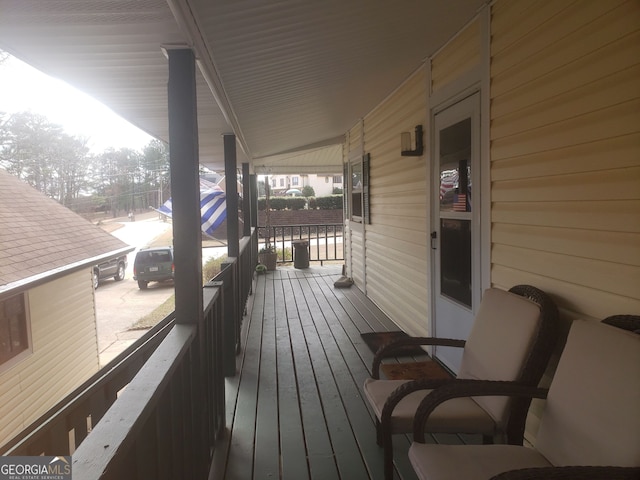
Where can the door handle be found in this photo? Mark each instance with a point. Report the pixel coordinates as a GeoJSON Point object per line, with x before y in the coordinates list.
{"type": "Point", "coordinates": [434, 238]}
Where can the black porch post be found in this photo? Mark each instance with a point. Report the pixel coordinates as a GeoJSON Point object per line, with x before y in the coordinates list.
{"type": "Point", "coordinates": [185, 185]}
{"type": "Point", "coordinates": [247, 200]}
{"type": "Point", "coordinates": [231, 182]}
{"type": "Point", "coordinates": [254, 200]}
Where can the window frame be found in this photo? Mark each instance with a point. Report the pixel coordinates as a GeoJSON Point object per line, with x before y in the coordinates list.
{"type": "Point", "coordinates": [28, 348]}
{"type": "Point", "coordinates": [362, 164]}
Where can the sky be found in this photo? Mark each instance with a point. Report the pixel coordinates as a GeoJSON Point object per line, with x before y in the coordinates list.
{"type": "Point", "coordinates": [24, 88]}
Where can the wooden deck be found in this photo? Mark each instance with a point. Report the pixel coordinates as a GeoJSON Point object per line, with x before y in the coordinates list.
{"type": "Point", "coordinates": [295, 409]}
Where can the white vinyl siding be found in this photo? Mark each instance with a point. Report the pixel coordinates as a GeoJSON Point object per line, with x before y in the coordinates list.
{"type": "Point", "coordinates": [565, 157]}
{"type": "Point", "coordinates": [565, 152]}
{"type": "Point", "coordinates": [457, 57]}
{"type": "Point", "coordinates": [65, 352]}
{"type": "Point", "coordinates": [397, 237]}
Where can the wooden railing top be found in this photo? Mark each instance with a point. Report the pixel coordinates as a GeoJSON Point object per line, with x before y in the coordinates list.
{"type": "Point", "coordinates": [122, 424]}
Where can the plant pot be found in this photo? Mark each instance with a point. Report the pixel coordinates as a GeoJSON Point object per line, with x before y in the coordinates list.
{"type": "Point", "coordinates": [269, 260]}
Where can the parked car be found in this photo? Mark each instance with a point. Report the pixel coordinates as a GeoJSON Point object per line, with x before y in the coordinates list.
{"type": "Point", "coordinates": [153, 265]}
{"type": "Point", "coordinates": [115, 267]}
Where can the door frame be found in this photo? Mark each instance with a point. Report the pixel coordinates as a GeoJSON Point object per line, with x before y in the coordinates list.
{"type": "Point", "coordinates": [465, 106]}
{"type": "Point", "coordinates": [476, 80]}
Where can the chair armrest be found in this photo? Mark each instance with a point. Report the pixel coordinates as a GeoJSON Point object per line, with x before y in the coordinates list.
{"type": "Point", "coordinates": [394, 345]}
{"type": "Point", "coordinates": [469, 388]}
{"type": "Point", "coordinates": [571, 473]}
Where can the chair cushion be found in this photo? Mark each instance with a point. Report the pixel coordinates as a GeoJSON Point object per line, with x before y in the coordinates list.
{"type": "Point", "coordinates": [592, 413]}
{"type": "Point", "coordinates": [499, 343]}
{"type": "Point", "coordinates": [470, 462]}
{"type": "Point", "coordinates": [460, 415]}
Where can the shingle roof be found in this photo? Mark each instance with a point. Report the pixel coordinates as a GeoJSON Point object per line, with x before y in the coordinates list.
{"type": "Point", "coordinates": [38, 235]}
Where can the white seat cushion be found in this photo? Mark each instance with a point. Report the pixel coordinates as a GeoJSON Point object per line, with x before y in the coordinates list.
{"type": "Point", "coordinates": [460, 415]}
{"type": "Point", "coordinates": [470, 462]}
{"type": "Point", "coordinates": [592, 414]}
{"type": "Point", "coordinates": [499, 344]}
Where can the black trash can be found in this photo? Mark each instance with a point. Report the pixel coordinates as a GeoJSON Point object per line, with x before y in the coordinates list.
{"type": "Point", "coordinates": [300, 253]}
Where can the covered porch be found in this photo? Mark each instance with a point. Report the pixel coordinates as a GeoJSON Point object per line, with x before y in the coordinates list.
{"type": "Point", "coordinates": [263, 89]}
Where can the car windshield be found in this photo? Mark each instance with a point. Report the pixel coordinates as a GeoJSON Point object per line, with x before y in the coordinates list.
{"type": "Point", "coordinates": [153, 257]}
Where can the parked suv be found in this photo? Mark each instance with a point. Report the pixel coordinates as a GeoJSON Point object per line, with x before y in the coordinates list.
{"type": "Point", "coordinates": [114, 267]}
{"type": "Point", "coordinates": [153, 265]}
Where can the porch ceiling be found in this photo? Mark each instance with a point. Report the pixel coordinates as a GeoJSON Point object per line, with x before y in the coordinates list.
{"type": "Point", "coordinates": [287, 77]}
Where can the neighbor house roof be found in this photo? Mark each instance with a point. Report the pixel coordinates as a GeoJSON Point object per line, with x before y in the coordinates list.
{"type": "Point", "coordinates": [41, 239]}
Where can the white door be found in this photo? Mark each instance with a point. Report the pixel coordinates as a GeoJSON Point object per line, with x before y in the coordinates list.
{"type": "Point", "coordinates": [455, 241]}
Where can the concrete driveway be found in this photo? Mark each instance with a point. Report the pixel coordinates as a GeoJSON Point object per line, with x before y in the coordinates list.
{"type": "Point", "coordinates": [119, 305]}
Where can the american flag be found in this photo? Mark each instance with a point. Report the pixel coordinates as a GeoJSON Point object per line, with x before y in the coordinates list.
{"type": "Point", "coordinates": [213, 207]}
{"type": "Point", "coordinates": [460, 202]}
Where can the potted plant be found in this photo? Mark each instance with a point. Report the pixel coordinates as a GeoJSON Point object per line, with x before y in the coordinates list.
{"type": "Point", "coordinates": [267, 255]}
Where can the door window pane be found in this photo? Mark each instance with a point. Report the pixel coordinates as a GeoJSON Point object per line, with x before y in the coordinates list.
{"type": "Point", "coordinates": [455, 167]}
{"type": "Point", "coordinates": [455, 260]}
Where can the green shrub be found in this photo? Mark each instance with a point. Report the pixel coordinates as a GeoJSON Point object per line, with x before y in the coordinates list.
{"type": "Point", "coordinates": [212, 267]}
{"type": "Point", "coordinates": [296, 203]}
{"type": "Point", "coordinates": [286, 254]}
{"type": "Point", "coordinates": [331, 202]}
{"type": "Point", "coordinates": [278, 203]}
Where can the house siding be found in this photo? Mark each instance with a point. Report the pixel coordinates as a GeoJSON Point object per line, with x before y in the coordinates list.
{"type": "Point", "coordinates": [565, 155]}
{"type": "Point", "coordinates": [65, 352]}
{"type": "Point", "coordinates": [458, 57]}
{"type": "Point", "coordinates": [397, 237]}
{"type": "Point", "coordinates": [565, 162]}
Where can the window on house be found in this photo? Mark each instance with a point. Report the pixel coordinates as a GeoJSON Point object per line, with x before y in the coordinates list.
{"type": "Point", "coordinates": [273, 182]}
{"type": "Point", "coordinates": [14, 337]}
{"type": "Point", "coordinates": [337, 179]}
{"type": "Point", "coordinates": [359, 187]}
{"type": "Point", "coordinates": [294, 180]}
{"type": "Point", "coordinates": [326, 179]}
{"type": "Point", "coordinates": [282, 182]}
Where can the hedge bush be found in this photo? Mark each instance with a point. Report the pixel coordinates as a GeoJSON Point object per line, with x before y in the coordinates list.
{"type": "Point", "coordinates": [331, 202]}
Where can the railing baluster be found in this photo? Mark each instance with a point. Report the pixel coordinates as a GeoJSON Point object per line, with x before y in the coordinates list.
{"type": "Point", "coordinates": [314, 233]}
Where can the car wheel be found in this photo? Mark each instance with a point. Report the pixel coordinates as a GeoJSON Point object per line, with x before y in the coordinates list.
{"type": "Point", "coordinates": [120, 274]}
{"type": "Point", "coordinates": [95, 279]}
{"type": "Point", "coordinates": [142, 285]}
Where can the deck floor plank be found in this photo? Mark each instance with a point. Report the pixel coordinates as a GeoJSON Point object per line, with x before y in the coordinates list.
{"type": "Point", "coordinates": [267, 454]}
{"type": "Point", "coordinates": [293, 454]}
{"type": "Point", "coordinates": [330, 366]}
{"type": "Point", "coordinates": [319, 450]}
{"type": "Point", "coordinates": [241, 402]}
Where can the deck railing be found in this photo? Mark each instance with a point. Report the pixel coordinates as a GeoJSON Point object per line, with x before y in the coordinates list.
{"type": "Point", "coordinates": [156, 410]}
{"type": "Point", "coordinates": [60, 430]}
{"type": "Point", "coordinates": [325, 240]}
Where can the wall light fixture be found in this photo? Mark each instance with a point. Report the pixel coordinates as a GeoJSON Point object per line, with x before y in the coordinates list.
{"type": "Point", "coordinates": [405, 143]}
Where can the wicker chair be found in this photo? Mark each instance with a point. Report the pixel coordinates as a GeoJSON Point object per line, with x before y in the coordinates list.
{"type": "Point", "coordinates": [590, 428]}
{"type": "Point", "coordinates": [512, 338]}
{"type": "Point", "coordinates": [627, 322]}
